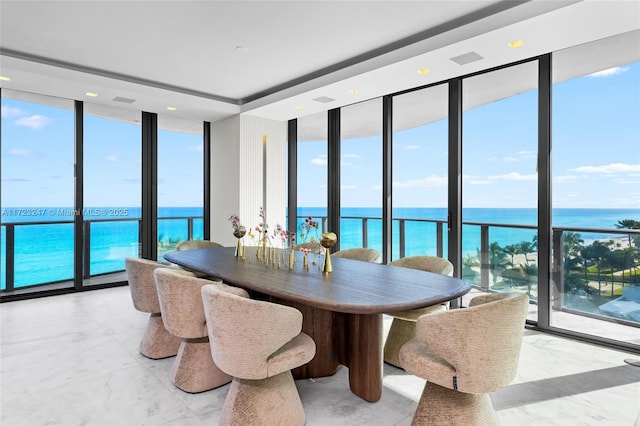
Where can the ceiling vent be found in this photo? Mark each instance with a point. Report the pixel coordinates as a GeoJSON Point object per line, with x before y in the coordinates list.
{"type": "Point", "coordinates": [467, 58]}
{"type": "Point", "coordinates": [123, 100]}
{"type": "Point", "coordinates": [324, 99]}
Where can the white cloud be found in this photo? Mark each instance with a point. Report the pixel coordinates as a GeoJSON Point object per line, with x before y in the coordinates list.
{"type": "Point", "coordinates": [479, 182]}
{"type": "Point", "coordinates": [510, 159]}
{"type": "Point", "coordinates": [113, 158]}
{"type": "Point", "coordinates": [35, 122]}
{"type": "Point", "coordinates": [565, 178]}
{"type": "Point", "coordinates": [411, 147]}
{"type": "Point", "coordinates": [11, 112]}
{"type": "Point", "coordinates": [196, 148]}
{"type": "Point", "coordinates": [21, 152]}
{"type": "Point", "coordinates": [528, 154]}
{"type": "Point", "coordinates": [347, 187]}
{"type": "Point", "coordinates": [514, 176]}
{"type": "Point", "coordinates": [429, 181]}
{"type": "Point", "coordinates": [351, 156]}
{"type": "Point", "coordinates": [321, 160]}
{"type": "Point", "coordinates": [608, 72]}
{"type": "Point", "coordinates": [609, 168]}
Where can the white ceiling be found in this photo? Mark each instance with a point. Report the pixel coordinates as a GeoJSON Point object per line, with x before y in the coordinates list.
{"type": "Point", "coordinates": [214, 59]}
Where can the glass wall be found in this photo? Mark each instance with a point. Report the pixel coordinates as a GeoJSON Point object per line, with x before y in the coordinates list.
{"type": "Point", "coordinates": [596, 187]}
{"type": "Point", "coordinates": [361, 175]}
{"type": "Point", "coordinates": [499, 195]}
{"type": "Point", "coordinates": [420, 163]}
{"type": "Point", "coordinates": [312, 176]}
{"type": "Point", "coordinates": [112, 190]}
{"type": "Point", "coordinates": [37, 189]}
{"type": "Point", "coordinates": [180, 182]}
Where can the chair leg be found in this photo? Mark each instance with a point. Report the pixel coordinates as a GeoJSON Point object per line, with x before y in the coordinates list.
{"type": "Point", "coordinates": [400, 332]}
{"type": "Point", "coordinates": [157, 342]}
{"type": "Point", "coordinates": [271, 401]}
{"type": "Point", "coordinates": [442, 406]}
{"type": "Point", "coordinates": [193, 370]}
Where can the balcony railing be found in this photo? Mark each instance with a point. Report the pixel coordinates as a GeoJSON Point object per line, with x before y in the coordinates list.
{"type": "Point", "coordinates": [106, 243]}
{"type": "Point", "coordinates": [489, 263]}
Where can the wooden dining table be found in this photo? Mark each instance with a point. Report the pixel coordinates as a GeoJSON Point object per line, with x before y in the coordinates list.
{"type": "Point", "coordinates": [342, 310]}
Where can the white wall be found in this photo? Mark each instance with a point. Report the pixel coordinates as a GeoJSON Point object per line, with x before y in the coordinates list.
{"type": "Point", "coordinates": [237, 174]}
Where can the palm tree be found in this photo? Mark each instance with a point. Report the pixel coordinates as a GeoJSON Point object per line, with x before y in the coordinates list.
{"type": "Point", "coordinates": [525, 248]}
{"type": "Point", "coordinates": [497, 260]}
{"type": "Point", "coordinates": [512, 250]}
{"type": "Point", "coordinates": [571, 248]}
{"type": "Point", "coordinates": [628, 224]}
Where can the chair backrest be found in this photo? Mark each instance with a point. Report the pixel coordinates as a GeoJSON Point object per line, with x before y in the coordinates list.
{"type": "Point", "coordinates": [482, 342]}
{"type": "Point", "coordinates": [364, 254]}
{"type": "Point", "coordinates": [439, 265]}
{"type": "Point", "coordinates": [244, 333]}
{"type": "Point", "coordinates": [197, 244]}
{"type": "Point", "coordinates": [181, 302]}
{"type": "Point", "coordinates": [142, 284]}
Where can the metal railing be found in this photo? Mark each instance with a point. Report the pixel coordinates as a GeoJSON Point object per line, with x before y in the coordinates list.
{"type": "Point", "coordinates": [10, 228]}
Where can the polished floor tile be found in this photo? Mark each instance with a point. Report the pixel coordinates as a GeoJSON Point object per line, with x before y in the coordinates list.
{"type": "Point", "coordinates": [73, 360]}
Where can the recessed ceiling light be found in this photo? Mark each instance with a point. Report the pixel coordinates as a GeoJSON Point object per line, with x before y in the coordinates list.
{"type": "Point", "coordinates": [299, 107]}
{"type": "Point", "coordinates": [171, 108]}
{"type": "Point", "coordinates": [423, 71]}
{"type": "Point", "coordinates": [92, 94]}
{"type": "Point", "coordinates": [354, 91]}
{"type": "Point", "coordinates": [516, 43]}
{"type": "Point", "coordinates": [3, 78]}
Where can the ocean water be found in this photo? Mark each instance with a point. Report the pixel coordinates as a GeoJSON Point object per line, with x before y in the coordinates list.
{"type": "Point", "coordinates": [44, 248]}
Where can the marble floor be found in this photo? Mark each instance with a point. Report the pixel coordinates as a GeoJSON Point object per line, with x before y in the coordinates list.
{"type": "Point", "coordinates": [73, 360]}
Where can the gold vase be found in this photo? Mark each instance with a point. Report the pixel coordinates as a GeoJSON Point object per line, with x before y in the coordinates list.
{"type": "Point", "coordinates": [239, 232]}
{"type": "Point", "coordinates": [328, 240]}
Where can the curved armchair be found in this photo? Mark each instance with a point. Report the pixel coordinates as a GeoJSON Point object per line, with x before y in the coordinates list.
{"type": "Point", "coordinates": [258, 350]}
{"type": "Point", "coordinates": [197, 244]}
{"type": "Point", "coordinates": [464, 354]}
{"type": "Point", "coordinates": [364, 254]}
{"type": "Point", "coordinates": [193, 369]}
{"type": "Point", "coordinates": [403, 326]}
{"type": "Point", "coordinates": [156, 342]}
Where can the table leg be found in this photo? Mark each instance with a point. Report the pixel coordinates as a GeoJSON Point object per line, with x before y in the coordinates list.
{"type": "Point", "coordinates": [319, 324]}
{"type": "Point", "coordinates": [363, 346]}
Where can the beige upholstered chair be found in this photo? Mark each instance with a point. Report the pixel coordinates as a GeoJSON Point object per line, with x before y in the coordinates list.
{"type": "Point", "coordinates": [197, 244]}
{"type": "Point", "coordinates": [183, 314]}
{"type": "Point", "coordinates": [464, 354]}
{"type": "Point", "coordinates": [257, 343]}
{"type": "Point", "coordinates": [156, 342]}
{"type": "Point", "coordinates": [403, 326]}
{"type": "Point", "coordinates": [364, 254]}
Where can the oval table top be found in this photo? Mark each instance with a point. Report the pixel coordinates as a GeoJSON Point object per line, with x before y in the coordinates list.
{"type": "Point", "coordinates": [353, 286]}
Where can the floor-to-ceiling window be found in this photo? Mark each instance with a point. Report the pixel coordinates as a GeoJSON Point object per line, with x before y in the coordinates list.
{"type": "Point", "coordinates": [312, 176]}
{"type": "Point", "coordinates": [596, 187]}
{"type": "Point", "coordinates": [111, 189]}
{"type": "Point", "coordinates": [361, 175]}
{"type": "Point", "coordinates": [37, 190]}
{"type": "Point", "coordinates": [420, 158]}
{"type": "Point", "coordinates": [180, 182]}
{"type": "Point", "coordinates": [499, 166]}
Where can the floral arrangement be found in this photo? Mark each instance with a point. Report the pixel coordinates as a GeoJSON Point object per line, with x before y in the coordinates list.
{"type": "Point", "coordinates": [238, 229]}
{"type": "Point", "coordinates": [307, 227]}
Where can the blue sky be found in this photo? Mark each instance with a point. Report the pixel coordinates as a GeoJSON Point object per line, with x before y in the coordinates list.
{"type": "Point", "coordinates": [596, 155]}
